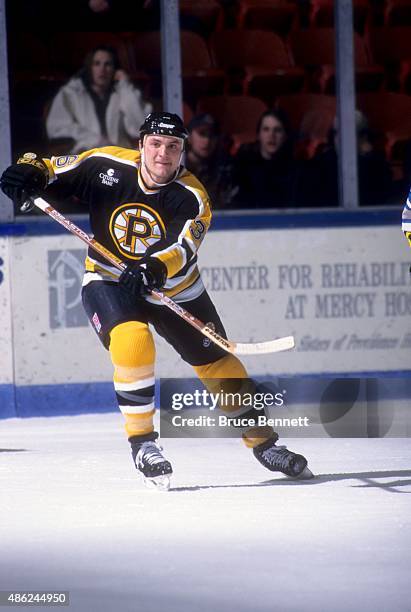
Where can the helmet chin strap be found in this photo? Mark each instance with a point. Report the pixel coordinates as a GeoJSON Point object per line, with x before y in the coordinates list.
{"type": "Point", "coordinates": [143, 163]}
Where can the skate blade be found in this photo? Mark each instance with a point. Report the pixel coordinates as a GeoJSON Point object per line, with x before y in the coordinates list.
{"type": "Point", "coordinates": [306, 474]}
{"type": "Point", "coordinates": [158, 483]}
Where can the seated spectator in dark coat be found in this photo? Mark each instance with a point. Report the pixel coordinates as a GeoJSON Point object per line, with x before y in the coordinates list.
{"type": "Point", "coordinates": [319, 181]}
{"type": "Point", "coordinates": [265, 170]}
{"type": "Point", "coordinates": [207, 159]}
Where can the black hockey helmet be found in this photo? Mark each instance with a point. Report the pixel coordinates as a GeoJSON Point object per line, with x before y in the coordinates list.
{"type": "Point", "coordinates": [163, 124]}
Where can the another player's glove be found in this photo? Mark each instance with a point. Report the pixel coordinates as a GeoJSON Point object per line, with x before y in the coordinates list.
{"type": "Point", "coordinates": [28, 177]}
{"type": "Point", "coordinates": [139, 278]}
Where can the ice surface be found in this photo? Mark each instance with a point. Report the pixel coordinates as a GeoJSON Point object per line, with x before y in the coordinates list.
{"type": "Point", "coordinates": [229, 536]}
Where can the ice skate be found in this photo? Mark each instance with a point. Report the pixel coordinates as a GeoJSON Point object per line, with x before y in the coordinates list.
{"type": "Point", "coordinates": [152, 465]}
{"type": "Point", "coordinates": [280, 459]}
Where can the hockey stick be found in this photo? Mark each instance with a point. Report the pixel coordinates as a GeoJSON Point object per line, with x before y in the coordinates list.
{"type": "Point", "coordinates": [237, 348]}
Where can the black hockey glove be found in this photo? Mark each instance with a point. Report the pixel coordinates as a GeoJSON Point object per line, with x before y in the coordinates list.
{"type": "Point", "coordinates": [28, 177]}
{"type": "Point", "coordinates": [139, 278]}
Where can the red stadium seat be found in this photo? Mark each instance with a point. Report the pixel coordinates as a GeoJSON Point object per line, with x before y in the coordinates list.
{"type": "Point", "coordinates": [321, 13]}
{"type": "Point", "coordinates": [315, 49]}
{"type": "Point", "coordinates": [29, 58]}
{"type": "Point", "coordinates": [256, 60]}
{"type": "Point", "coordinates": [206, 15]}
{"type": "Point", "coordinates": [311, 117]}
{"type": "Point", "coordinates": [199, 74]}
{"type": "Point", "coordinates": [187, 113]}
{"type": "Point", "coordinates": [389, 116]}
{"type": "Point", "coordinates": [69, 49]}
{"type": "Point", "coordinates": [238, 115]}
{"type": "Point", "coordinates": [397, 13]}
{"type": "Point", "coordinates": [278, 16]}
{"type": "Point", "coordinates": [390, 44]}
{"type": "Point", "coordinates": [391, 47]}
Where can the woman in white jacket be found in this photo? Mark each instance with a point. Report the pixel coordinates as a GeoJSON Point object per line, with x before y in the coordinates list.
{"type": "Point", "coordinates": [98, 106]}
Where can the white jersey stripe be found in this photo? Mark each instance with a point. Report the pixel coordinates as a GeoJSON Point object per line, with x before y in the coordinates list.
{"type": "Point", "coordinates": [191, 293]}
{"type": "Point", "coordinates": [95, 276]}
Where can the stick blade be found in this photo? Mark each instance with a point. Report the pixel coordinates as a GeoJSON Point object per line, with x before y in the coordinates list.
{"type": "Point", "coordinates": [260, 348]}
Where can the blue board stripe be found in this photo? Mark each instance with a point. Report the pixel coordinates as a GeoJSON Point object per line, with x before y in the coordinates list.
{"type": "Point", "coordinates": [7, 401]}
{"type": "Point", "coordinates": [99, 397]}
{"type": "Point", "coordinates": [65, 399]}
{"type": "Point", "coordinates": [39, 226]}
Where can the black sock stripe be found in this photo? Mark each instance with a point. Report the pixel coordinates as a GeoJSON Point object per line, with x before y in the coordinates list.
{"type": "Point", "coordinates": [127, 399]}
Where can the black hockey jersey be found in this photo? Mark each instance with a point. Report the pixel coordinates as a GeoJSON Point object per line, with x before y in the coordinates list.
{"type": "Point", "coordinates": [133, 221]}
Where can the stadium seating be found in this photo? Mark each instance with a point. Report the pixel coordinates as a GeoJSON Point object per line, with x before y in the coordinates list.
{"type": "Point", "coordinates": [389, 116]}
{"type": "Point", "coordinates": [391, 47]}
{"type": "Point", "coordinates": [29, 57]}
{"type": "Point", "coordinates": [321, 13]}
{"type": "Point", "coordinates": [69, 49]}
{"type": "Point", "coordinates": [315, 49]}
{"type": "Point", "coordinates": [278, 16]}
{"type": "Point", "coordinates": [202, 16]}
{"type": "Point", "coordinates": [257, 63]}
{"type": "Point", "coordinates": [187, 113]}
{"type": "Point", "coordinates": [238, 116]}
{"type": "Point", "coordinates": [278, 53]}
{"type": "Point", "coordinates": [397, 13]}
{"type": "Point", "coordinates": [311, 116]}
{"type": "Point", "coordinates": [199, 74]}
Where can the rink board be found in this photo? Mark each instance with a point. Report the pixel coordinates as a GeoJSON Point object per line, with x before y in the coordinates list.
{"type": "Point", "coordinates": [343, 291]}
{"type": "Point", "coordinates": [7, 400]}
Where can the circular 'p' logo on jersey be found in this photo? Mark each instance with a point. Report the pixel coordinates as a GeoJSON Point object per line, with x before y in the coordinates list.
{"type": "Point", "coordinates": [134, 228]}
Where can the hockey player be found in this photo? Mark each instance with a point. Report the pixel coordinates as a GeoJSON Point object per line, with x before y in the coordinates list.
{"type": "Point", "coordinates": [146, 207]}
{"type": "Point", "coordinates": [406, 219]}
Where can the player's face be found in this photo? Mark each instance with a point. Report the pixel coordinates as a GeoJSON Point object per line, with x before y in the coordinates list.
{"type": "Point", "coordinates": [102, 69]}
{"type": "Point", "coordinates": [202, 142]}
{"type": "Point", "coordinates": [162, 156]}
{"type": "Point", "coordinates": [271, 136]}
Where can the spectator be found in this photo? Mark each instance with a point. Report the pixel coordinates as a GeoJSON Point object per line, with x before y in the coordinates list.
{"type": "Point", "coordinates": [265, 170]}
{"type": "Point", "coordinates": [99, 106]}
{"type": "Point", "coordinates": [207, 159]}
{"type": "Point", "coordinates": [319, 184]}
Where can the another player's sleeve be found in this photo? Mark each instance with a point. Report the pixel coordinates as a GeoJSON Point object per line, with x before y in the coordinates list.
{"type": "Point", "coordinates": [187, 228]}
{"type": "Point", "coordinates": [406, 219]}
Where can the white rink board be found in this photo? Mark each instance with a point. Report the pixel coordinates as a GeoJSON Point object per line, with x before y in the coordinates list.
{"type": "Point", "coordinates": [6, 352]}
{"type": "Point", "coordinates": [261, 289]}
{"type": "Point", "coordinates": [287, 287]}
{"type": "Point", "coordinates": [46, 354]}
